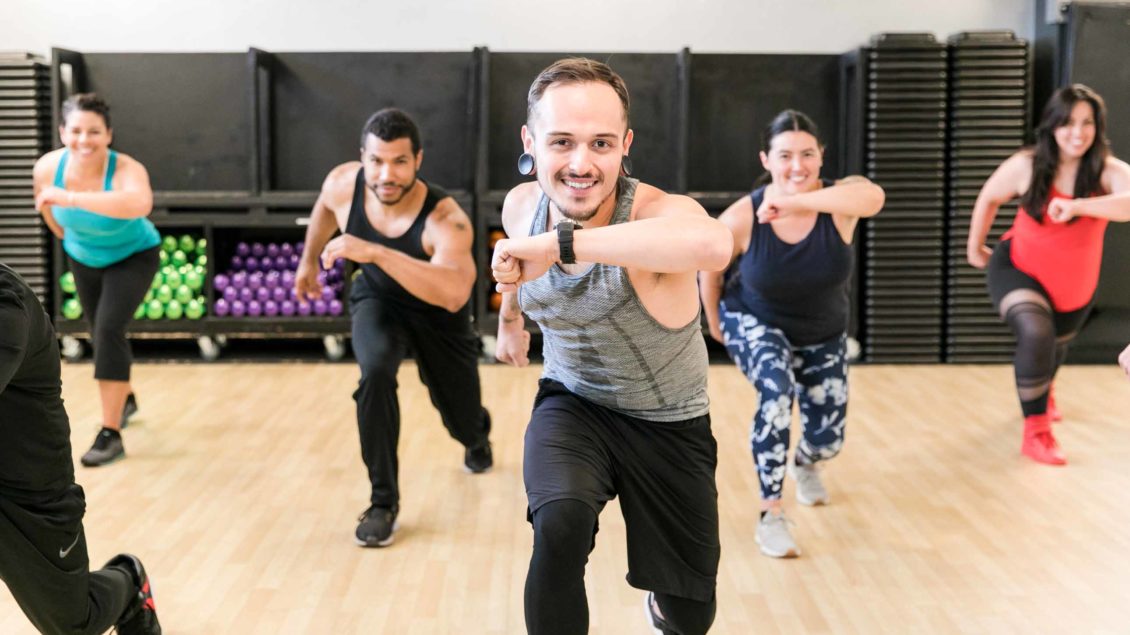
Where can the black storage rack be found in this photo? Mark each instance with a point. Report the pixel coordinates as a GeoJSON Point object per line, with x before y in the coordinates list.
{"type": "Point", "coordinates": [904, 145]}
{"type": "Point", "coordinates": [990, 98]}
{"type": "Point", "coordinates": [25, 134]}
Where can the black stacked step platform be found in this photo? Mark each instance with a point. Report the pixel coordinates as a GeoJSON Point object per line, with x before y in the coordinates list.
{"type": "Point", "coordinates": [905, 97]}
{"type": "Point", "coordinates": [25, 128]}
{"type": "Point", "coordinates": [990, 97]}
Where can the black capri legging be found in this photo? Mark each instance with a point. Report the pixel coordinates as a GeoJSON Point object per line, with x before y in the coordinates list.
{"type": "Point", "coordinates": [109, 296]}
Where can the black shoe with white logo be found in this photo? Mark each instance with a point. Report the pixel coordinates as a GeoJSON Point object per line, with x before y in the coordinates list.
{"type": "Point", "coordinates": [377, 526]}
{"type": "Point", "coordinates": [107, 448]}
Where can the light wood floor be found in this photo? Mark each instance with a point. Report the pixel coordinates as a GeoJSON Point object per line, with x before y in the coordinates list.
{"type": "Point", "coordinates": [243, 484]}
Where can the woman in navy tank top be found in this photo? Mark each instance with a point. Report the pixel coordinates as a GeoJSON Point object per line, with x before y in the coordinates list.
{"type": "Point", "coordinates": [96, 200]}
{"type": "Point", "coordinates": [781, 309]}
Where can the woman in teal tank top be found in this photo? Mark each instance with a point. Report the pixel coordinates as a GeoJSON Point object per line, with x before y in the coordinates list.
{"type": "Point", "coordinates": [96, 201]}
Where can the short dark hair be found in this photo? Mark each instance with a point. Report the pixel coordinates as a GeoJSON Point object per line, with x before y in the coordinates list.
{"type": "Point", "coordinates": [391, 124]}
{"type": "Point", "coordinates": [576, 70]}
{"type": "Point", "coordinates": [88, 102]}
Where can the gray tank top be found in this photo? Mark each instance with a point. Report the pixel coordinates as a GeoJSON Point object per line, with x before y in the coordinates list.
{"type": "Point", "coordinates": [602, 344]}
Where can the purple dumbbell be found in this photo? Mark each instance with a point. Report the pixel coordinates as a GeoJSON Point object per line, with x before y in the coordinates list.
{"type": "Point", "coordinates": [271, 280]}
{"type": "Point", "coordinates": [304, 308]}
{"type": "Point", "coordinates": [270, 308]}
{"type": "Point", "coordinates": [286, 308]}
{"type": "Point", "coordinates": [327, 293]}
{"type": "Point", "coordinates": [272, 250]}
{"type": "Point", "coordinates": [242, 249]}
{"type": "Point", "coordinates": [257, 250]}
{"type": "Point", "coordinates": [250, 264]}
{"type": "Point", "coordinates": [295, 260]}
{"type": "Point", "coordinates": [220, 282]}
{"type": "Point", "coordinates": [230, 294]}
{"type": "Point", "coordinates": [335, 307]}
{"type": "Point", "coordinates": [286, 249]}
{"type": "Point", "coordinates": [237, 263]}
{"type": "Point", "coordinates": [320, 307]}
{"type": "Point", "coordinates": [254, 309]}
{"type": "Point", "coordinates": [262, 294]}
{"type": "Point", "coordinates": [279, 294]}
{"type": "Point", "coordinates": [246, 295]}
{"type": "Point", "coordinates": [239, 280]}
{"type": "Point", "coordinates": [238, 308]}
{"type": "Point", "coordinates": [221, 307]}
{"type": "Point", "coordinates": [255, 280]}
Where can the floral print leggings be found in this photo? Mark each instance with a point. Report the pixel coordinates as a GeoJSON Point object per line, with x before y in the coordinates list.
{"type": "Point", "coordinates": [816, 374]}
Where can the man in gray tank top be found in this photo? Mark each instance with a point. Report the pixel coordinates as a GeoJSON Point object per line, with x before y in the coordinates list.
{"type": "Point", "coordinates": [607, 268]}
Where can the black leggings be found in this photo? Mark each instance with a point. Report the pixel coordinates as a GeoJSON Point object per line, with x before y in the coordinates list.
{"type": "Point", "coordinates": [1042, 333]}
{"type": "Point", "coordinates": [109, 297]}
{"type": "Point", "coordinates": [447, 359]}
{"type": "Point", "coordinates": [45, 565]}
{"type": "Point", "coordinates": [556, 604]}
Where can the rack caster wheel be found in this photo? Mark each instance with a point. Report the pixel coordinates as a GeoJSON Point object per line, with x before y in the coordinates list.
{"type": "Point", "coordinates": [209, 348]}
{"type": "Point", "coordinates": [335, 347]}
{"type": "Point", "coordinates": [71, 348]}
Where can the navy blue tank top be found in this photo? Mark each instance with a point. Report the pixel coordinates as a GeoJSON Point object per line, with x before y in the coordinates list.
{"type": "Point", "coordinates": [374, 282]}
{"type": "Point", "coordinates": [801, 289]}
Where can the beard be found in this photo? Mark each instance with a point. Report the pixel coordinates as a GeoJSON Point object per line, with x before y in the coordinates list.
{"type": "Point", "coordinates": [575, 214]}
{"type": "Point", "coordinates": [404, 190]}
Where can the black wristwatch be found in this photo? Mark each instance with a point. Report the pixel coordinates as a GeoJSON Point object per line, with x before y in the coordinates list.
{"type": "Point", "coordinates": [565, 241]}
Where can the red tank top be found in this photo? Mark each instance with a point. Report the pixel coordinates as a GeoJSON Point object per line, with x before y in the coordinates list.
{"type": "Point", "coordinates": [1063, 257]}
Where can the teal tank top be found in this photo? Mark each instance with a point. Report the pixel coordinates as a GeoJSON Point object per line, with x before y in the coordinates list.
{"type": "Point", "coordinates": [96, 240]}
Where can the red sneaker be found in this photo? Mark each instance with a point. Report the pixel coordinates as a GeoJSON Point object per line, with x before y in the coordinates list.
{"type": "Point", "coordinates": [1039, 443]}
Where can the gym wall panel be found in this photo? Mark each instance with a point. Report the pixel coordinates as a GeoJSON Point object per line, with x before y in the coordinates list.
{"type": "Point", "coordinates": [320, 101]}
{"type": "Point", "coordinates": [186, 116]}
{"type": "Point", "coordinates": [733, 98]}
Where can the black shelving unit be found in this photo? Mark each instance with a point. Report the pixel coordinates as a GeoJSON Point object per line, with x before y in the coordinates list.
{"type": "Point", "coordinates": [904, 90]}
{"type": "Point", "coordinates": [25, 125]}
{"type": "Point", "coordinates": [990, 98]}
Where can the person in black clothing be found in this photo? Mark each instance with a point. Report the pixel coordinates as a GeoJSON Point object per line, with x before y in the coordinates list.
{"type": "Point", "coordinates": [413, 245]}
{"type": "Point", "coordinates": [43, 557]}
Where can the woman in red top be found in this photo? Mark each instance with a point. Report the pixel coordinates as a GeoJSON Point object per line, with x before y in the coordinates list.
{"type": "Point", "coordinates": [1043, 275]}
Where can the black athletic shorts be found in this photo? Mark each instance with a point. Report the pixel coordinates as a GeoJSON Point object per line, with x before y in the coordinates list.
{"type": "Point", "coordinates": [1003, 278]}
{"type": "Point", "coordinates": [663, 473]}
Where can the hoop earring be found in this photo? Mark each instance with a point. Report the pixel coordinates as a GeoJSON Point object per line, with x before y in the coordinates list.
{"type": "Point", "coordinates": [526, 164]}
{"type": "Point", "coordinates": [626, 165]}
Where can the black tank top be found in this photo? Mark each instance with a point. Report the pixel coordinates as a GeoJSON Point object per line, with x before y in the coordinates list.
{"type": "Point", "coordinates": [373, 281]}
{"type": "Point", "coordinates": [801, 289]}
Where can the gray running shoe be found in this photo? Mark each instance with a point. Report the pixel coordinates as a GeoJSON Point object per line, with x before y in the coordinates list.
{"type": "Point", "coordinates": [774, 537]}
{"type": "Point", "coordinates": [809, 489]}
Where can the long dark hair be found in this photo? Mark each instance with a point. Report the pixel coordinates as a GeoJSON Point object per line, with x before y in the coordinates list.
{"type": "Point", "coordinates": [1045, 154]}
{"type": "Point", "coordinates": [786, 121]}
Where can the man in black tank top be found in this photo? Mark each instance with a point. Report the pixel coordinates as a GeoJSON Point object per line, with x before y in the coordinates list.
{"type": "Point", "coordinates": [622, 409]}
{"type": "Point", "coordinates": [43, 556]}
{"type": "Point", "coordinates": [412, 244]}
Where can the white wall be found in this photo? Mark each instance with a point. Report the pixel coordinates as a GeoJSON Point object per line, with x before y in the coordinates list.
{"type": "Point", "coordinates": [816, 26]}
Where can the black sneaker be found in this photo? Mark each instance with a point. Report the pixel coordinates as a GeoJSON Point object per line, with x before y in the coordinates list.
{"type": "Point", "coordinates": [140, 617]}
{"type": "Point", "coordinates": [107, 448]}
{"type": "Point", "coordinates": [479, 459]}
{"type": "Point", "coordinates": [659, 625]}
{"type": "Point", "coordinates": [376, 527]}
{"type": "Point", "coordinates": [129, 410]}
